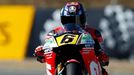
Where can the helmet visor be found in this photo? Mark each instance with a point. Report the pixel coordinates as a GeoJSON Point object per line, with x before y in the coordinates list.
{"type": "Point", "coordinates": [70, 19]}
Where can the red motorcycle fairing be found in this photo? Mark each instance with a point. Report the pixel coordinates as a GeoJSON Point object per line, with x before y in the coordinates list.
{"type": "Point", "coordinates": [91, 63]}
{"type": "Point", "coordinates": [90, 60]}
{"type": "Point", "coordinates": [68, 49]}
{"type": "Point", "coordinates": [50, 59]}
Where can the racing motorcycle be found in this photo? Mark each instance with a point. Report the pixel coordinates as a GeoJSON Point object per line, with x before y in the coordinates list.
{"type": "Point", "coordinates": [71, 54]}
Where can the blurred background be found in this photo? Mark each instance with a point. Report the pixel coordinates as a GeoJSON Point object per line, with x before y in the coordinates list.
{"type": "Point", "coordinates": [23, 23]}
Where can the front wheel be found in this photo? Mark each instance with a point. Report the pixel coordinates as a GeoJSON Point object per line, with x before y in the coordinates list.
{"type": "Point", "coordinates": [73, 69]}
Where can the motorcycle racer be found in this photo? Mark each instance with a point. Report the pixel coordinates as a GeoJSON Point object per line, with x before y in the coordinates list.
{"type": "Point", "coordinates": [73, 12]}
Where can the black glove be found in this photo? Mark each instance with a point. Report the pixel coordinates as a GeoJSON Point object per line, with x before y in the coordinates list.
{"type": "Point", "coordinates": [40, 59]}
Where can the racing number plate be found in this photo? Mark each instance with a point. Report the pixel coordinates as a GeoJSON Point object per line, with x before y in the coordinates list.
{"type": "Point", "coordinates": [67, 39]}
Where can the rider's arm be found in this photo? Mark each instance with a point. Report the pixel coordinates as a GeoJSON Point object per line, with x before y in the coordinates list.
{"type": "Point", "coordinates": [39, 50]}
{"type": "Point", "coordinates": [39, 53]}
{"type": "Point", "coordinates": [99, 50]}
{"type": "Point", "coordinates": [98, 42]}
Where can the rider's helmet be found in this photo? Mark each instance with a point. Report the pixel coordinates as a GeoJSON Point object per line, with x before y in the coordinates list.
{"type": "Point", "coordinates": [73, 12]}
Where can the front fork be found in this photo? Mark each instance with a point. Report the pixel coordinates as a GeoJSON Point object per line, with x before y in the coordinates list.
{"type": "Point", "coordinates": [60, 69]}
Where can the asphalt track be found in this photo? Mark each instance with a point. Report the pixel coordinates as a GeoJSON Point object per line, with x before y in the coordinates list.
{"type": "Point", "coordinates": [27, 67]}
{"type": "Point", "coordinates": [32, 67]}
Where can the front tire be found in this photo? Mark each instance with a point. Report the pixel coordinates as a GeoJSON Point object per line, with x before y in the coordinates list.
{"type": "Point", "coordinates": [73, 69]}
